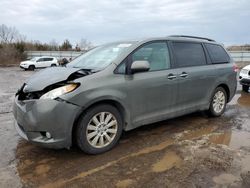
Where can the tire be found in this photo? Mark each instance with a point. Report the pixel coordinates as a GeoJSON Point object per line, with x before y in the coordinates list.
{"type": "Point", "coordinates": [92, 135]}
{"type": "Point", "coordinates": [53, 65]}
{"type": "Point", "coordinates": [245, 88]}
{"type": "Point", "coordinates": [32, 67]}
{"type": "Point", "coordinates": [218, 102]}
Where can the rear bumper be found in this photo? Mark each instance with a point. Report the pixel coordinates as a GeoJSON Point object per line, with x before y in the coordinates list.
{"type": "Point", "coordinates": [36, 117]}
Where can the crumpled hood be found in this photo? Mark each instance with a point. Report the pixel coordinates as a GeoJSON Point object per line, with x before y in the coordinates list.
{"type": "Point", "coordinates": [48, 76]}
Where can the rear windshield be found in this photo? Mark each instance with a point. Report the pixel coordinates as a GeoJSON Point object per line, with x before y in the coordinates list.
{"type": "Point", "coordinates": [217, 53]}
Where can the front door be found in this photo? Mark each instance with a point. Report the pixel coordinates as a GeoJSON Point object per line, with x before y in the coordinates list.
{"type": "Point", "coordinates": [40, 62]}
{"type": "Point", "coordinates": [152, 94]}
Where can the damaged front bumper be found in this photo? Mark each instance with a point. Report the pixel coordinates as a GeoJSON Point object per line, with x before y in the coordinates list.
{"type": "Point", "coordinates": [36, 119]}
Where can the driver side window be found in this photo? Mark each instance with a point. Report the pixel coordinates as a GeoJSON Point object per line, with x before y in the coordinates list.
{"type": "Point", "coordinates": [40, 60]}
{"type": "Point", "coordinates": [157, 54]}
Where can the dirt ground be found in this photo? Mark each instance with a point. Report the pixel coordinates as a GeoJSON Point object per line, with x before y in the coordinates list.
{"type": "Point", "coordinates": [189, 151]}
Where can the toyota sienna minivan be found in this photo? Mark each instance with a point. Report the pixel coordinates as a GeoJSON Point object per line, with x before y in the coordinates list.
{"type": "Point", "coordinates": [123, 85]}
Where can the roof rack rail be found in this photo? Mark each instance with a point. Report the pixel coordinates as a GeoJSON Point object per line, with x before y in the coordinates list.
{"type": "Point", "coordinates": [194, 37]}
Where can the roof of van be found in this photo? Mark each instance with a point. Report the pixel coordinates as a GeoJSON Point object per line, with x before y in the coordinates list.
{"type": "Point", "coordinates": [181, 38]}
{"type": "Point", "coordinates": [171, 37]}
{"type": "Point", "coordinates": [138, 41]}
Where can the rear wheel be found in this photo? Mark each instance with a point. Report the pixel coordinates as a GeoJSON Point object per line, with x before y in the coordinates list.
{"type": "Point", "coordinates": [245, 88]}
{"type": "Point", "coordinates": [218, 102]}
{"type": "Point", "coordinates": [99, 129]}
{"type": "Point", "coordinates": [53, 65]}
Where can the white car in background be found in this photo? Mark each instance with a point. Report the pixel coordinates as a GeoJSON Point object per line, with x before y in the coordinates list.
{"type": "Point", "coordinates": [245, 78]}
{"type": "Point", "coordinates": [39, 62]}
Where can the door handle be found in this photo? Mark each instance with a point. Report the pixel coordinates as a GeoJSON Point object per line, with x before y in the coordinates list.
{"type": "Point", "coordinates": [183, 75]}
{"type": "Point", "coordinates": [171, 76]}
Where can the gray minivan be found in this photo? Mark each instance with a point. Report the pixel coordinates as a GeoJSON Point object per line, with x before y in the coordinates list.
{"type": "Point", "coordinates": [123, 85]}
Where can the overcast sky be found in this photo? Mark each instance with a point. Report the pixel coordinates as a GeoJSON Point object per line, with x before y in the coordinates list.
{"type": "Point", "coordinates": [227, 21]}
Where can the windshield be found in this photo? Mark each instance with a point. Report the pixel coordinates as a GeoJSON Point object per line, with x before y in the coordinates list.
{"type": "Point", "coordinates": [99, 57]}
{"type": "Point", "coordinates": [33, 59]}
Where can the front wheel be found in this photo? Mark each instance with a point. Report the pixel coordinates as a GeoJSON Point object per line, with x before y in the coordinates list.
{"type": "Point", "coordinates": [245, 88]}
{"type": "Point", "coordinates": [99, 129]}
{"type": "Point", "coordinates": [218, 102]}
{"type": "Point", "coordinates": [31, 67]}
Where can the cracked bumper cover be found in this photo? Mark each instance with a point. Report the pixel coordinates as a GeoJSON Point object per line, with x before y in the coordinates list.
{"type": "Point", "coordinates": [34, 117]}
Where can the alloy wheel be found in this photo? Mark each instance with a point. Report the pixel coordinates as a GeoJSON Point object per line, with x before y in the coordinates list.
{"type": "Point", "coordinates": [101, 129]}
{"type": "Point", "coordinates": [219, 101]}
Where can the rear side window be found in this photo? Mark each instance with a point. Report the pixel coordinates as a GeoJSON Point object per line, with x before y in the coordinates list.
{"type": "Point", "coordinates": [217, 53]}
{"type": "Point", "coordinates": [188, 54]}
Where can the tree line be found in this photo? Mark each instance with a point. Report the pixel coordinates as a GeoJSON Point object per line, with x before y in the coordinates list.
{"type": "Point", "coordinates": [13, 45]}
{"type": "Point", "coordinates": [245, 47]}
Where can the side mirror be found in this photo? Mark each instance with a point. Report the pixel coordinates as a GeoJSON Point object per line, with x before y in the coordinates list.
{"type": "Point", "coordinates": [140, 66]}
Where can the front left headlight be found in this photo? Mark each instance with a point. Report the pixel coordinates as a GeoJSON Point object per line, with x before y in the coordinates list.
{"type": "Point", "coordinates": [59, 91]}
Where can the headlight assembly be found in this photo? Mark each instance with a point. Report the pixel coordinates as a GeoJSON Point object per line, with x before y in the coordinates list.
{"type": "Point", "coordinates": [59, 91]}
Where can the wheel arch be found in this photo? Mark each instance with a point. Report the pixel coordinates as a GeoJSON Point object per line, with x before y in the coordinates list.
{"type": "Point", "coordinates": [113, 102]}
{"type": "Point", "coordinates": [32, 65]}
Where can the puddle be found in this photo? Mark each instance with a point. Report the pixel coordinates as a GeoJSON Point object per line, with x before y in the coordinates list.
{"type": "Point", "coordinates": [244, 99]}
{"type": "Point", "coordinates": [221, 138]}
{"type": "Point", "coordinates": [42, 169]}
{"type": "Point", "coordinates": [199, 132]}
{"type": "Point", "coordinates": [233, 139]}
{"type": "Point", "coordinates": [158, 147]}
{"type": "Point", "coordinates": [168, 161]}
{"type": "Point", "coordinates": [124, 183]}
{"type": "Point", "coordinates": [239, 139]}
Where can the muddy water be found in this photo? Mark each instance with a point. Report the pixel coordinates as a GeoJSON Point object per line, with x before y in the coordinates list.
{"type": "Point", "coordinates": [168, 161]}
{"type": "Point", "coordinates": [189, 151]}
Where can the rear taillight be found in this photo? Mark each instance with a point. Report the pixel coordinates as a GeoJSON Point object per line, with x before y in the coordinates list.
{"type": "Point", "coordinates": [235, 68]}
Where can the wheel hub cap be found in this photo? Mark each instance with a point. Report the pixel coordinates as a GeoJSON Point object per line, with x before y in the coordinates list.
{"type": "Point", "coordinates": [101, 129]}
{"type": "Point", "coordinates": [219, 101]}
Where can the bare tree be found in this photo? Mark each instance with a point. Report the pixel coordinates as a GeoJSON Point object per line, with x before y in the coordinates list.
{"type": "Point", "coordinates": [53, 45]}
{"type": "Point", "coordinates": [85, 45]}
{"type": "Point", "coordinates": [9, 34]}
{"type": "Point", "coordinates": [66, 45]}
